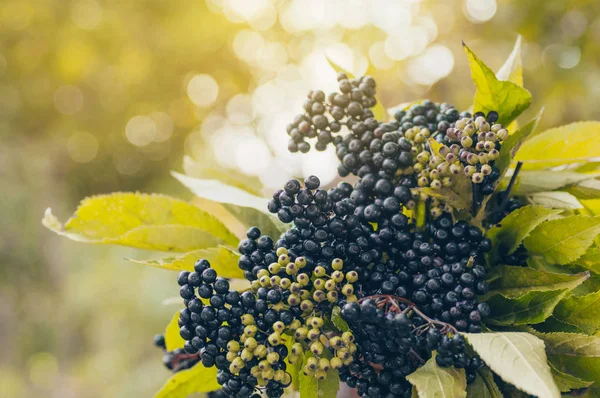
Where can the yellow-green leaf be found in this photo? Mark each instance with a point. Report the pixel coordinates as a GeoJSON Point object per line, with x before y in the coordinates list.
{"type": "Point", "coordinates": [293, 369]}
{"type": "Point", "coordinates": [532, 181]}
{"type": "Point", "coordinates": [338, 321]}
{"type": "Point", "coordinates": [268, 224]}
{"type": "Point", "coordinates": [514, 282]}
{"type": "Point", "coordinates": [449, 196]}
{"type": "Point", "coordinates": [218, 191]}
{"type": "Point", "coordinates": [154, 222]}
{"type": "Point", "coordinates": [504, 97]}
{"type": "Point", "coordinates": [567, 382]}
{"type": "Point", "coordinates": [584, 368]}
{"type": "Point", "coordinates": [531, 308]}
{"type": "Point", "coordinates": [310, 387]}
{"type": "Point", "coordinates": [483, 386]}
{"type": "Point", "coordinates": [197, 379]}
{"type": "Point", "coordinates": [572, 143]}
{"type": "Point", "coordinates": [515, 227]}
{"type": "Point", "coordinates": [173, 339]}
{"type": "Point", "coordinates": [563, 240]}
{"type": "Point", "coordinates": [434, 381]}
{"type": "Point", "coordinates": [590, 260]}
{"type": "Point", "coordinates": [587, 189]}
{"type": "Point", "coordinates": [518, 358]}
{"type": "Point", "coordinates": [513, 143]}
{"type": "Point", "coordinates": [222, 259]}
{"type": "Point", "coordinates": [512, 69]}
{"type": "Point", "coordinates": [555, 200]}
{"type": "Point", "coordinates": [580, 311]}
{"type": "Point", "coordinates": [573, 344]}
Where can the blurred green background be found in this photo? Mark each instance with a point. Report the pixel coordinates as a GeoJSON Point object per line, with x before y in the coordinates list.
{"type": "Point", "coordinates": [104, 95]}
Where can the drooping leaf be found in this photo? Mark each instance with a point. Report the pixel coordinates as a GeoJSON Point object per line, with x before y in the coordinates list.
{"type": "Point", "coordinates": [513, 282]}
{"type": "Point", "coordinates": [567, 382]}
{"type": "Point", "coordinates": [563, 240]}
{"type": "Point", "coordinates": [224, 260]}
{"type": "Point", "coordinates": [515, 227]}
{"type": "Point", "coordinates": [573, 344]}
{"type": "Point", "coordinates": [512, 69]}
{"type": "Point", "coordinates": [310, 387]}
{"type": "Point", "coordinates": [434, 381]}
{"type": "Point", "coordinates": [555, 200]}
{"type": "Point", "coordinates": [531, 308]}
{"type": "Point", "coordinates": [573, 143]}
{"type": "Point", "coordinates": [483, 386]}
{"type": "Point", "coordinates": [219, 192]}
{"type": "Point", "coordinates": [553, 325]}
{"type": "Point", "coordinates": [532, 181]}
{"type": "Point", "coordinates": [513, 143]}
{"type": "Point", "coordinates": [184, 383]}
{"type": "Point", "coordinates": [268, 224]}
{"type": "Point", "coordinates": [173, 339]}
{"type": "Point", "coordinates": [338, 321]}
{"type": "Point", "coordinates": [587, 189]}
{"type": "Point", "coordinates": [154, 222]}
{"type": "Point", "coordinates": [518, 358]}
{"type": "Point", "coordinates": [504, 97]}
{"type": "Point", "coordinates": [580, 311]}
{"type": "Point", "coordinates": [584, 368]}
{"type": "Point", "coordinates": [196, 169]}
{"type": "Point", "coordinates": [590, 260]}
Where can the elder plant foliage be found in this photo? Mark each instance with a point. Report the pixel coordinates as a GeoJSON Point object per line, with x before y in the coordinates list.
{"type": "Point", "coordinates": [463, 262]}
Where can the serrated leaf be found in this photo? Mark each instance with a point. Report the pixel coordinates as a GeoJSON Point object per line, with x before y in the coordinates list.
{"type": "Point", "coordinates": [518, 358]}
{"type": "Point", "coordinates": [590, 260]}
{"type": "Point", "coordinates": [512, 69]}
{"type": "Point", "coordinates": [504, 97]}
{"type": "Point", "coordinates": [379, 111]}
{"type": "Point", "coordinates": [224, 260]}
{"type": "Point", "coordinates": [573, 344]}
{"type": "Point", "coordinates": [563, 240]}
{"type": "Point", "coordinates": [173, 339]}
{"type": "Point", "coordinates": [483, 386]}
{"type": "Point", "coordinates": [573, 143]}
{"type": "Point", "coordinates": [532, 181]}
{"type": "Point", "coordinates": [531, 308]}
{"type": "Point", "coordinates": [310, 387]}
{"type": "Point", "coordinates": [567, 382]}
{"type": "Point", "coordinates": [338, 321]}
{"type": "Point", "coordinates": [513, 143]}
{"type": "Point", "coordinates": [587, 189]}
{"type": "Point", "coordinates": [553, 325]}
{"type": "Point", "coordinates": [580, 311]}
{"type": "Point", "coordinates": [184, 383]}
{"type": "Point", "coordinates": [515, 227]}
{"type": "Point", "coordinates": [584, 368]}
{"type": "Point", "coordinates": [144, 221]}
{"type": "Point", "coordinates": [513, 282]}
{"type": "Point", "coordinates": [555, 200]}
{"type": "Point", "coordinates": [434, 381]}
{"type": "Point", "coordinates": [220, 192]}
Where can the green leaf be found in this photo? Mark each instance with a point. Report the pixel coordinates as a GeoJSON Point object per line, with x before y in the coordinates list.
{"type": "Point", "coordinates": [515, 227]}
{"type": "Point", "coordinates": [553, 325]}
{"type": "Point", "coordinates": [504, 97]}
{"type": "Point", "coordinates": [567, 382]}
{"type": "Point", "coordinates": [555, 200]}
{"type": "Point", "coordinates": [195, 169]}
{"type": "Point", "coordinates": [379, 111]}
{"type": "Point", "coordinates": [483, 386]}
{"type": "Point", "coordinates": [512, 69]}
{"type": "Point", "coordinates": [184, 383]}
{"type": "Point", "coordinates": [572, 143]}
{"type": "Point", "coordinates": [513, 282]}
{"type": "Point", "coordinates": [449, 196]}
{"type": "Point", "coordinates": [573, 344]}
{"type": "Point", "coordinates": [220, 192]}
{"type": "Point", "coordinates": [432, 380]}
{"type": "Point", "coordinates": [223, 259]}
{"type": "Point", "coordinates": [584, 368]}
{"type": "Point", "coordinates": [268, 224]}
{"type": "Point", "coordinates": [173, 339]}
{"type": "Point", "coordinates": [587, 189]}
{"type": "Point", "coordinates": [532, 181]}
{"type": "Point", "coordinates": [590, 260]}
{"type": "Point", "coordinates": [310, 387]}
{"type": "Point", "coordinates": [518, 358]}
{"type": "Point", "coordinates": [293, 369]}
{"type": "Point", "coordinates": [338, 321]}
{"type": "Point", "coordinates": [531, 308]}
{"type": "Point", "coordinates": [513, 143]}
{"type": "Point", "coordinates": [563, 240]}
{"type": "Point", "coordinates": [580, 311]}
